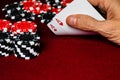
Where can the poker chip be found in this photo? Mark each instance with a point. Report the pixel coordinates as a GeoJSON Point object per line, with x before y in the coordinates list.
{"type": "Point", "coordinates": [58, 5]}
{"type": "Point", "coordinates": [26, 40]}
{"type": "Point", "coordinates": [12, 7]}
{"type": "Point", "coordinates": [67, 1]}
{"type": "Point", "coordinates": [42, 1]}
{"type": "Point", "coordinates": [46, 17]}
{"type": "Point", "coordinates": [45, 8]}
{"type": "Point", "coordinates": [64, 4]}
{"type": "Point", "coordinates": [26, 45]}
{"type": "Point", "coordinates": [32, 6]}
{"type": "Point", "coordinates": [5, 25]}
{"type": "Point", "coordinates": [5, 38]}
{"type": "Point", "coordinates": [55, 10]}
{"type": "Point", "coordinates": [29, 0]}
{"type": "Point", "coordinates": [20, 15]}
{"type": "Point", "coordinates": [15, 12]}
{"type": "Point", "coordinates": [24, 26]}
{"type": "Point", "coordinates": [6, 46]}
{"type": "Point", "coordinates": [55, 3]}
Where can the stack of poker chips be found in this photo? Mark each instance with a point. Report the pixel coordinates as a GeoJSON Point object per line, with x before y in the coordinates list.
{"type": "Point", "coordinates": [25, 39]}
{"type": "Point", "coordinates": [5, 38]}
{"type": "Point", "coordinates": [22, 38]}
{"type": "Point", "coordinates": [15, 12]}
{"type": "Point", "coordinates": [29, 10]}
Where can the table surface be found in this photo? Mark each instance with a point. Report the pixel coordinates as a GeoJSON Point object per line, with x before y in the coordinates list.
{"type": "Point", "coordinates": [64, 58]}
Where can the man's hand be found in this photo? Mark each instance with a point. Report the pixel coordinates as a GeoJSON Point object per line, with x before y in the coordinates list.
{"type": "Point", "coordinates": [110, 28]}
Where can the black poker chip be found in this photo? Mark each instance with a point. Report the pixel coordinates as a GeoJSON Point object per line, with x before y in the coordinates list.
{"type": "Point", "coordinates": [58, 5]}
{"type": "Point", "coordinates": [26, 45]}
{"type": "Point", "coordinates": [12, 7]}
{"type": "Point", "coordinates": [43, 1]}
{"type": "Point", "coordinates": [55, 3]}
{"type": "Point", "coordinates": [20, 15]}
{"type": "Point", "coordinates": [16, 13]}
{"type": "Point", "coordinates": [46, 17]}
{"type": "Point", "coordinates": [6, 43]}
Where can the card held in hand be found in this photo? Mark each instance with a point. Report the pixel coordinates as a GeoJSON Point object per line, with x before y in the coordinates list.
{"type": "Point", "coordinates": [58, 24]}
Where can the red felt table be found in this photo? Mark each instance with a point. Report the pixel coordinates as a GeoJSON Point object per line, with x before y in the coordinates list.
{"type": "Point", "coordinates": [64, 58]}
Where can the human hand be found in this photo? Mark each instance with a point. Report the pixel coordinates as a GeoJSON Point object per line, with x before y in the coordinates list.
{"type": "Point", "coordinates": [109, 28]}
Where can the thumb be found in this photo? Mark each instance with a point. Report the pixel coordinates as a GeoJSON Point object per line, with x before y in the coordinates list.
{"type": "Point", "coordinates": [84, 22]}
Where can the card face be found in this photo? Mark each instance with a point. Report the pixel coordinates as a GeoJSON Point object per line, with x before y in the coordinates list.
{"type": "Point", "coordinates": [53, 26]}
{"type": "Point", "coordinates": [76, 7]}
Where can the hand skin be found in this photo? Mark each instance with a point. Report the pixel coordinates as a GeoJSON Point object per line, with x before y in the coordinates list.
{"type": "Point", "coordinates": [109, 28]}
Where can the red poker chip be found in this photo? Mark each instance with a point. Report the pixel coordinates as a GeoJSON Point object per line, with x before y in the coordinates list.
{"type": "Point", "coordinates": [64, 3]}
{"type": "Point", "coordinates": [28, 3]}
{"type": "Point", "coordinates": [30, 0]}
{"type": "Point", "coordinates": [32, 6]}
{"type": "Point", "coordinates": [24, 26]}
{"type": "Point", "coordinates": [5, 25]}
{"type": "Point", "coordinates": [56, 10]}
{"type": "Point", "coordinates": [67, 1]}
{"type": "Point", "coordinates": [45, 8]}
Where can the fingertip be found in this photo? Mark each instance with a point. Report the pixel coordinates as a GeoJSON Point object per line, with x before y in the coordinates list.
{"type": "Point", "coordinates": [71, 20]}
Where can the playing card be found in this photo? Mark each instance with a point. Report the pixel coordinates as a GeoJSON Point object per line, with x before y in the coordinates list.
{"type": "Point", "coordinates": [53, 26]}
{"type": "Point", "coordinates": [76, 7]}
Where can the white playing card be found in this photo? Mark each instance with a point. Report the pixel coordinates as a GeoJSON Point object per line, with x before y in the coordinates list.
{"type": "Point", "coordinates": [53, 26]}
{"type": "Point", "coordinates": [76, 7]}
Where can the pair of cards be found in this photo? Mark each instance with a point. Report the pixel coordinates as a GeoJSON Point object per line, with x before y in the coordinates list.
{"type": "Point", "coordinates": [58, 24]}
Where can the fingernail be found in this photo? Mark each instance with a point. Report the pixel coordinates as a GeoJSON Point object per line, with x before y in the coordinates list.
{"type": "Point", "coordinates": [72, 20]}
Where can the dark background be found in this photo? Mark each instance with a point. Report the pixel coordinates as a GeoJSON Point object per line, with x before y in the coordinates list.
{"type": "Point", "coordinates": [64, 58]}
